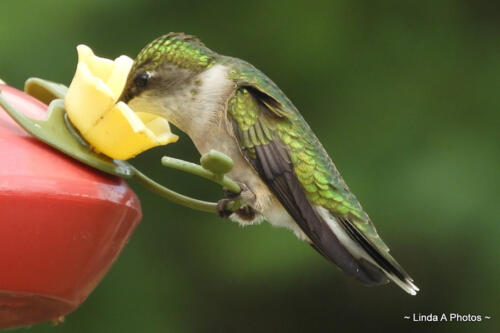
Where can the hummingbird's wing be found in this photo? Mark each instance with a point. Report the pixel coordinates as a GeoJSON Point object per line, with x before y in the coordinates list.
{"type": "Point", "coordinates": [283, 150]}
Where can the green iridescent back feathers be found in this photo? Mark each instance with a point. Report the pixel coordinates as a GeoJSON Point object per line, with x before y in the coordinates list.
{"type": "Point", "coordinates": [315, 170]}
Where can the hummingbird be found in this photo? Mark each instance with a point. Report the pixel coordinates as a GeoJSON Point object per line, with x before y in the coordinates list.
{"type": "Point", "coordinates": [287, 177]}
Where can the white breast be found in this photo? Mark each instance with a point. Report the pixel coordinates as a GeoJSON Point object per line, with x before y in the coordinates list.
{"type": "Point", "coordinates": [206, 107]}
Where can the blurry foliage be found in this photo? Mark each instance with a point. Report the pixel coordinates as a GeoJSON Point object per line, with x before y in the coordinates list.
{"type": "Point", "coordinates": [404, 96]}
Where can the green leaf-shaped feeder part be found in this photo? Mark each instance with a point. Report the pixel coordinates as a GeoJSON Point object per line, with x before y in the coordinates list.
{"type": "Point", "coordinates": [45, 91]}
{"type": "Point", "coordinates": [57, 132]}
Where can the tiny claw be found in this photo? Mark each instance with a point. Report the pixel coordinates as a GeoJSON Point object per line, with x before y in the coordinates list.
{"type": "Point", "coordinates": [222, 210]}
{"type": "Point", "coordinates": [237, 203]}
{"type": "Point", "coordinates": [231, 194]}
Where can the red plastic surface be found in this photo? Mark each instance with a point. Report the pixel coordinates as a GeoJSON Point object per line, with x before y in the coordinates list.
{"type": "Point", "coordinates": [62, 224]}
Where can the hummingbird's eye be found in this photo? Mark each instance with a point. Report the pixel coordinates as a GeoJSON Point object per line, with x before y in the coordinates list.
{"type": "Point", "coordinates": [142, 80]}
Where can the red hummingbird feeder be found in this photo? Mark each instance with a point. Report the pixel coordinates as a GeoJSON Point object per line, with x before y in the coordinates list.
{"type": "Point", "coordinates": [62, 223]}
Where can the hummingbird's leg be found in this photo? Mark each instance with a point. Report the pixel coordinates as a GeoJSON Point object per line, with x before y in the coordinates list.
{"type": "Point", "coordinates": [240, 204]}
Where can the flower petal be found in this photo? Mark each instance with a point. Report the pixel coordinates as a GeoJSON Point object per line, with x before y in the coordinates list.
{"type": "Point", "coordinates": [118, 77]}
{"type": "Point", "coordinates": [99, 67]}
{"type": "Point", "coordinates": [121, 134]}
{"type": "Point", "coordinates": [159, 127]}
{"type": "Point", "coordinates": [88, 98]}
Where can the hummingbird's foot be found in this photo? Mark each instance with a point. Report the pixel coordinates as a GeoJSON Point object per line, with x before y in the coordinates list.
{"type": "Point", "coordinates": [244, 214]}
{"type": "Point", "coordinates": [222, 208]}
{"type": "Point", "coordinates": [238, 204]}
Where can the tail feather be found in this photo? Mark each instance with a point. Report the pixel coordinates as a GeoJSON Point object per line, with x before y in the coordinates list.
{"type": "Point", "coordinates": [366, 254]}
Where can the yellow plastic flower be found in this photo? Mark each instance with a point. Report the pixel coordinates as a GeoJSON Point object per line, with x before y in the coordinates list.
{"type": "Point", "coordinates": [111, 128]}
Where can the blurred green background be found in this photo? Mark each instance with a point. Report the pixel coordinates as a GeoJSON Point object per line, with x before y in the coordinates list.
{"type": "Point", "coordinates": [404, 97]}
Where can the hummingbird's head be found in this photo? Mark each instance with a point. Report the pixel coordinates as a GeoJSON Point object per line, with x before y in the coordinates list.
{"type": "Point", "coordinates": [167, 76]}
